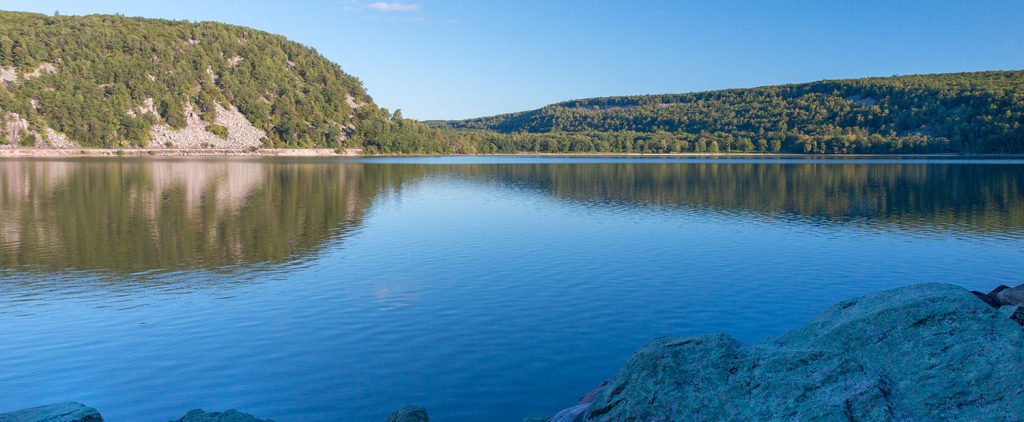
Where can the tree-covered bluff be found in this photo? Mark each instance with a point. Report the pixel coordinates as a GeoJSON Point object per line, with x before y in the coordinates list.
{"type": "Point", "coordinates": [980, 112]}
{"type": "Point", "coordinates": [117, 82]}
{"type": "Point", "coordinates": [113, 81]}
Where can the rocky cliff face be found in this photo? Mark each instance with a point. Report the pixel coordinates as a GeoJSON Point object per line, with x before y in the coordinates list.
{"type": "Point", "coordinates": [925, 352]}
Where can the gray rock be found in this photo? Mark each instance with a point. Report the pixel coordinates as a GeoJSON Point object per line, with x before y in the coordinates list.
{"type": "Point", "coordinates": [989, 299]}
{"type": "Point", "coordinates": [572, 414]}
{"type": "Point", "coordinates": [1013, 312]}
{"type": "Point", "coordinates": [589, 397]}
{"type": "Point", "coordinates": [410, 414]}
{"type": "Point", "coordinates": [232, 415]}
{"type": "Point", "coordinates": [992, 297]}
{"type": "Point", "coordinates": [1011, 296]}
{"type": "Point", "coordinates": [59, 412]}
{"type": "Point", "coordinates": [925, 352]}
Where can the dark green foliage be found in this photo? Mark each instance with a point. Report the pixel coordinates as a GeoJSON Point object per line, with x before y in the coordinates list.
{"type": "Point", "coordinates": [108, 65]}
{"type": "Point", "coordinates": [27, 140]}
{"type": "Point", "coordinates": [979, 112]}
{"type": "Point", "coordinates": [218, 130]}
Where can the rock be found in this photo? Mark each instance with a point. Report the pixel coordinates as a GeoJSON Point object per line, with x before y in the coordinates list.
{"type": "Point", "coordinates": [241, 133]}
{"type": "Point", "coordinates": [59, 412]}
{"type": "Point", "coordinates": [998, 289]}
{"type": "Point", "coordinates": [410, 414]}
{"type": "Point", "coordinates": [924, 352]}
{"type": "Point", "coordinates": [987, 298]}
{"type": "Point", "coordinates": [1014, 312]}
{"type": "Point", "coordinates": [572, 414]}
{"type": "Point", "coordinates": [589, 397]}
{"type": "Point", "coordinates": [1011, 296]}
{"type": "Point", "coordinates": [232, 415]}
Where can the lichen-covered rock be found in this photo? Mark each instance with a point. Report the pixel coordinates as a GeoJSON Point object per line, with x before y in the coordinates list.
{"type": "Point", "coordinates": [409, 414]}
{"type": "Point", "coordinates": [232, 415]}
{"type": "Point", "coordinates": [59, 412]}
{"type": "Point", "coordinates": [925, 352]}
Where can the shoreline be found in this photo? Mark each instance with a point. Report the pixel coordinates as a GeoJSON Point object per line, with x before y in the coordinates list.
{"type": "Point", "coordinates": [358, 152]}
{"type": "Point", "coordinates": [168, 152]}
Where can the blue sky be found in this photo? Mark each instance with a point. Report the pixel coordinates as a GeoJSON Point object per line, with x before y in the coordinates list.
{"type": "Point", "coordinates": [454, 59]}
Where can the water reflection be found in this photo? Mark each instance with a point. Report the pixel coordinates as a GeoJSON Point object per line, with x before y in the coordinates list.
{"type": "Point", "coordinates": [931, 197]}
{"type": "Point", "coordinates": [487, 290]}
{"type": "Point", "coordinates": [140, 215]}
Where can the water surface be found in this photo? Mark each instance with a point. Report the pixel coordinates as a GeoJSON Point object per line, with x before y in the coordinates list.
{"type": "Point", "coordinates": [484, 288]}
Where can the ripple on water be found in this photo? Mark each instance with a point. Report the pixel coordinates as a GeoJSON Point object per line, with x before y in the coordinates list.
{"type": "Point", "coordinates": [482, 290]}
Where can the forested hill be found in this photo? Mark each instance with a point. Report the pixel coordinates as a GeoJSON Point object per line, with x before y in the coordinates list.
{"type": "Point", "coordinates": [980, 112]}
{"type": "Point", "coordinates": [118, 82]}
{"type": "Point", "coordinates": [112, 81]}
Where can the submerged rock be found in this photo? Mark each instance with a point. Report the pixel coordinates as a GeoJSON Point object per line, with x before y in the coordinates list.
{"type": "Point", "coordinates": [925, 352]}
{"type": "Point", "coordinates": [232, 415]}
{"type": "Point", "coordinates": [59, 412]}
{"type": "Point", "coordinates": [410, 414]}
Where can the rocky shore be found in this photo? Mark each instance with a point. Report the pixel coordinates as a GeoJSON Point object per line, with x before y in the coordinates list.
{"type": "Point", "coordinates": [923, 352]}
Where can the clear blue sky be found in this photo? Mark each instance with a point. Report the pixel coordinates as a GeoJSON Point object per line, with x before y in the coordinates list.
{"type": "Point", "coordinates": [466, 58]}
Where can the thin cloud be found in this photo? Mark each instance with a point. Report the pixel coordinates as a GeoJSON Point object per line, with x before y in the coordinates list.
{"type": "Point", "coordinates": [393, 7]}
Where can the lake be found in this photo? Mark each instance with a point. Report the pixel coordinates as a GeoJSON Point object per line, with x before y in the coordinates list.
{"type": "Point", "coordinates": [483, 288]}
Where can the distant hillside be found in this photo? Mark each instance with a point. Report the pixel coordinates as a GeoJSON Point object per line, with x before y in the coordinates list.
{"type": "Point", "coordinates": [112, 81]}
{"type": "Point", "coordinates": [117, 82]}
{"type": "Point", "coordinates": [979, 112]}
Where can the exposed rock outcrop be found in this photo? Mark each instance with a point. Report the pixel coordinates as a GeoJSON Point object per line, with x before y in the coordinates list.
{"type": "Point", "coordinates": [59, 412]}
{"type": "Point", "coordinates": [231, 415]}
{"type": "Point", "coordinates": [57, 140]}
{"type": "Point", "coordinates": [10, 73]}
{"type": "Point", "coordinates": [241, 134]}
{"type": "Point", "coordinates": [924, 352]}
{"type": "Point", "coordinates": [148, 107]}
{"type": "Point", "coordinates": [14, 130]}
{"type": "Point", "coordinates": [42, 69]}
{"type": "Point", "coordinates": [409, 414]}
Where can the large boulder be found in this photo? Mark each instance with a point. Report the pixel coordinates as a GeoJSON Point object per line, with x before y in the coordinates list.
{"type": "Point", "coordinates": [59, 412]}
{"type": "Point", "coordinates": [925, 352]}
{"type": "Point", "coordinates": [231, 415]}
{"type": "Point", "coordinates": [1011, 296]}
{"type": "Point", "coordinates": [409, 414]}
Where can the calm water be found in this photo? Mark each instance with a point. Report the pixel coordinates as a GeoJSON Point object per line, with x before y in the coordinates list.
{"type": "Point", "coordinates": [481, 288]}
